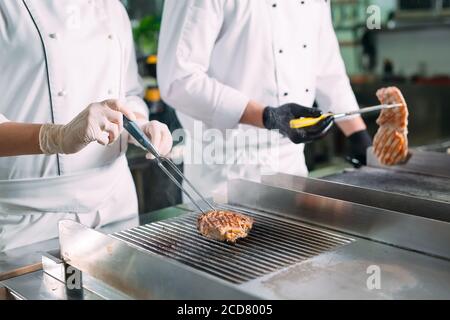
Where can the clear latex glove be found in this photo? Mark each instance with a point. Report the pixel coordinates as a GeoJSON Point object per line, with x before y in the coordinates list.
{"type": "Point", "coordinates": [159, 135]}
{"type": "Point", "coordinates": [101, 122]}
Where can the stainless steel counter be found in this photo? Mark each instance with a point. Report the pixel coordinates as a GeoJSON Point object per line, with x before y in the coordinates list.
{"type": "Point", "coordinates": [29, 259]}
{"type": "Point", "coordinates": [313, 239]}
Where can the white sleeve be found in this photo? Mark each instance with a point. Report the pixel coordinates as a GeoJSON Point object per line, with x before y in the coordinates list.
{"type": "Point", "coordinates": [132, 82]}
{"type": "Point", "coordinates": [189, 31]}
{"type": "Point", "coordinates": [334, 92]}
{"type": "Point", "coordinates": [3, 119]}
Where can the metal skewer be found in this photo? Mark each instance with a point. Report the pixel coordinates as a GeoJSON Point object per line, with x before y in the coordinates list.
{"type": "Point", "coordinates": [134, 130]}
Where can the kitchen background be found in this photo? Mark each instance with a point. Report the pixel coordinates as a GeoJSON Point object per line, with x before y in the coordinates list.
{"type": "Point", "coordinates": [411, 51]}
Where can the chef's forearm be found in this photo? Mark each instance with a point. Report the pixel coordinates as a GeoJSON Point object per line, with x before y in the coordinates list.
{"type": "Point", "coordinates": [253, 114]}
{"type": "Point", "coordinates": [18, 139]}
{"type": "Point", "coordinates": [349, 127]}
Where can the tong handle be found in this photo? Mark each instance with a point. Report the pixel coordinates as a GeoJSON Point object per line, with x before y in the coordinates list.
{"type": "Point", "coordinates": [308, 122]}
{"type": "Point", "coordinates": [136, 132]}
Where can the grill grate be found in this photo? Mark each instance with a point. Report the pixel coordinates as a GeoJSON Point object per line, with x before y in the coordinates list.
{"type": "Point", "coordinates": [271, 245]}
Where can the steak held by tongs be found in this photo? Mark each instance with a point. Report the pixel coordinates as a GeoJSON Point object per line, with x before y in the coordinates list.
{"type": "Point", "coordinates": [391, 141]}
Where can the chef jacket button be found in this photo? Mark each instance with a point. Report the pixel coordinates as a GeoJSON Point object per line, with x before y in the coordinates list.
{"type": "Point", "coordinates": [110, 37]}
{"type": "Point", "coordinates": [274, 5]}
{"type": "Point", "coordinates": [280, 51]}
{"type": "Point", "coordinates": [110, 91]}
{"type": "Point", "coordinates": [302, 2]}
{"type": "Point", "coordinates": [62, 93]}
{"type": "Point", "coordinates": [286, 94]}
{"type": "Point", "coordinates": [307, 90]}
{"type": "Point", "coordinates": [53, 36]}
{"type": "Point", "coordinates": [305, 46]}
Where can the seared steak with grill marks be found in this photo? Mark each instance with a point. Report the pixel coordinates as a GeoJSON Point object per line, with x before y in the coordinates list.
{"type": "Point", "coordinates": [391, 141]}
{"type": "Point", "coordinates": [224, 225]}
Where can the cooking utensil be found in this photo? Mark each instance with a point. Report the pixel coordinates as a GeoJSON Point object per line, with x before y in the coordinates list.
{"type": "Point", "coordinates": [309, 122]}
{"type": "Point", "coordinates": [136, 132]}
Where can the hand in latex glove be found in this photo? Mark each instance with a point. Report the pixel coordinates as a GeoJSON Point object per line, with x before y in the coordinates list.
{"type": "Point", "coordinates": [101, 122]}
{"type": "Point", "coordinates": [359, 143]}
{"type": "Point", "coordinates": [159, 135]}
{"type": "Point", "coordinates": [279, 119]}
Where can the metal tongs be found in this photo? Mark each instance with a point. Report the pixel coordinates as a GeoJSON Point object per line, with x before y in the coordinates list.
{"type": "Point", "coordinates": [136, 132]}
{"type": "Point", "coordinates": [309, 122]}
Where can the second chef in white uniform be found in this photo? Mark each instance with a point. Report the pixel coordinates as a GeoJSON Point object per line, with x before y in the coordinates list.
{"type": "Point", "coordinates": [222, 62]}
{"type": "Point", "coordinates": [64, 67]}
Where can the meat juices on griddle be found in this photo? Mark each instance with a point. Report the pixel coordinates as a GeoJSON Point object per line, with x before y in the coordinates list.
{"type": "Point", "coordinates": [224, 225]}
{"type": "Point", "coordinates": [391, 141]}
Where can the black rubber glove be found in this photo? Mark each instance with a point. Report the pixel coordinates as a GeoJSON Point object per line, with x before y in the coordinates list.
{"type": "Point", "coordinates": [279, 119]}
{"type": "Point", "coordinates": [359, 143]}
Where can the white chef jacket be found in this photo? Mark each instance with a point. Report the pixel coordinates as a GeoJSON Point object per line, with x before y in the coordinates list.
{"type": "Point", "coordinates": [57, 57]}
{"type": "Point", "coordinates": [88, 57]}
{"type": "Point", "coordinates": [216, 55]}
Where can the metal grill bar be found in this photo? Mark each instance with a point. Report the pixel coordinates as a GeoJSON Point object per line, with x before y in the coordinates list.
{"type": "Point", "coordinates": [217, 254]}
{"type": "Point", "coordinates": [271, 245]}
{"type": "Point", "coordinates": [218, 247]}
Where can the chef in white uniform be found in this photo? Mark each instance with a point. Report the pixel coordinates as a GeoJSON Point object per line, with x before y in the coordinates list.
{"type": "Point", "coordinates": [68, 74]}
{"type": "Point", "coordinates": [223, 62]}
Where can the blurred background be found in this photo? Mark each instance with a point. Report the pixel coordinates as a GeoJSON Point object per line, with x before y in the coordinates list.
{"type": "Point", "coordinates": [411, 51]}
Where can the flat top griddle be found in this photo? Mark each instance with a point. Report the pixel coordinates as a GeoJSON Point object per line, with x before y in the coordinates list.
{"type": "Point", "coordinates": [412, 184]}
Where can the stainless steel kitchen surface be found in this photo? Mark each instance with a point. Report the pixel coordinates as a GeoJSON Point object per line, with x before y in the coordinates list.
{"type": "Point", "coordinates": [352, 229]}
{"type": "Point", "coordinates": [272, 245]}
{"type": "Point", "coordinates": [427, 187]}
{"type": "Point", "coordinates": [406, 189]}
{"type": "Point", "coordinates": [304, 246]}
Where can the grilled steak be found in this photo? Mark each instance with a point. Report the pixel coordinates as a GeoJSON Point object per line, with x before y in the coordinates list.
{"type": "Point", "coordinates": [224, 225]}
{"type": "Point", "coordinates": [391, 141]}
